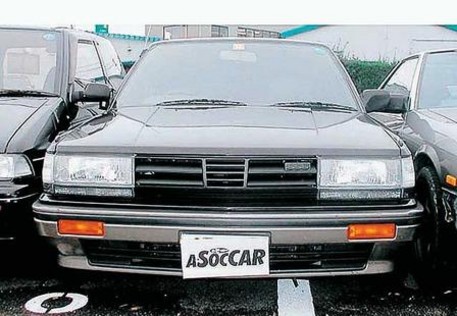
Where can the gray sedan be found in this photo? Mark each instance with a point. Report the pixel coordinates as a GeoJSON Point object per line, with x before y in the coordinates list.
{"type": "Point", "coordinates": [418, 102]}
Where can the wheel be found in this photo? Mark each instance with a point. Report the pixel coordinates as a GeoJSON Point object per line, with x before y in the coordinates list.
{"type": "Point", "coordinates": [433, 251]}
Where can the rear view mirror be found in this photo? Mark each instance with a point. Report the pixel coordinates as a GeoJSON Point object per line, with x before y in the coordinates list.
{"type": "Point", "coordinates": [384, 101]}
{"type": "Point", "coordinates": [94, 92]}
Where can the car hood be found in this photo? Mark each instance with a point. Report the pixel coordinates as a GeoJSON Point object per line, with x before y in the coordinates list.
{"type": "Point", "coordinates": [13, 113]}
{"type": "Point", "coordinates": [437, 127]}
{"type": "Point", "coordinates": [242, 130]}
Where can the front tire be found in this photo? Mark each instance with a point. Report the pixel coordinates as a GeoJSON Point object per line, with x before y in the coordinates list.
{"type": "Point", "coordinates": [433, 250]}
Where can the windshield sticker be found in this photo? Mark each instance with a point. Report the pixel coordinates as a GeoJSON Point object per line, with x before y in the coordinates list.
{"type": "Point", "coordinates": [49, 37]}
{"type": "Point", "coordinates": [238, 46]}
{"type": "Point", "coordinates": [241, 56]}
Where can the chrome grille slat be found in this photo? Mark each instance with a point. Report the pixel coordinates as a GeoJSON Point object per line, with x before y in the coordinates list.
{"type": "Point", "coordinates": [225, 166]}
{"type": "Point", "coordinates": [281, 183]}
{"type": "Point", "coordinates": [224, 172]}
{"type": "Point", "coordinates": [225, 179]}
{"type": "Point", "coordinates": [161, 182]}
{"type": "Point", "coordinates": [167, 169]}
{"type": "Point", "coordinates": [275, 170]}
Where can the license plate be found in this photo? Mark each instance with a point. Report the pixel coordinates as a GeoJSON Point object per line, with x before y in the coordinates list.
{"type": "Point", "coordinates": [208, 256]}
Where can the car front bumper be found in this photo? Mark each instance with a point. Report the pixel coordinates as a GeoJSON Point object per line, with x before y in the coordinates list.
{"type": "Point", "coordinates": [133, 229]}
{"type": "Point", "coordinates": [16, 218]}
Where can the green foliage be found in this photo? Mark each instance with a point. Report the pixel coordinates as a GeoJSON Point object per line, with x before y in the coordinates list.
{"type": "Point", "coordinates": [367, 74]}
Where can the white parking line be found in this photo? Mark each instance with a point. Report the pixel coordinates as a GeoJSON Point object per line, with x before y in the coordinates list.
{"type": "Point", "coordinates": [295, 299]}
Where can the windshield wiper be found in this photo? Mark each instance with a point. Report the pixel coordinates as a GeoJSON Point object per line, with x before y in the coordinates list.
{"type": "Point", "coordinates": [20, 93]}
{"type": "Point", "coordinates": [200, 102]}
{"type": "Point", "coordinates": [315, 105]}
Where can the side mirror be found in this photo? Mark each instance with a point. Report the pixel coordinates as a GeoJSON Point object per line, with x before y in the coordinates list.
{"type": "Point", "coordinates": [384, 101]}
{"type": "Point", "coordinates": [94, 92]}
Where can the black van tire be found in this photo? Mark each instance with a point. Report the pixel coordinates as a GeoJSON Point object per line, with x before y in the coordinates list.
{"type": "Point", "coordinates": [432, 247]}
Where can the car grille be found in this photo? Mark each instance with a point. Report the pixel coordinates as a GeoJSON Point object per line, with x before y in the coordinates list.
{"type": "Point", "coordinates": [229, 173]}
{"type": "Point", "coordinates": [226, 181]}
{"type": "Point", "coordinates": [283, 258]}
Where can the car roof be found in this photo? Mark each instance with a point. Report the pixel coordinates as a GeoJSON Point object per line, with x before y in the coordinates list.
{"type": "Point", "coordinates": [237, 39]}
{"type": "Point", "coordinates": [76, 32]}
{"type": "Point", "coordinates": [431, 51]}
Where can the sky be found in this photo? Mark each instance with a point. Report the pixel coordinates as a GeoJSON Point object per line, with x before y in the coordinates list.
{"type": "Point", "coordinates": [138, 12]}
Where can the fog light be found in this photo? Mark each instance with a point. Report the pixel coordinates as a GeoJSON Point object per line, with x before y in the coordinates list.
{"type": "Point", "coordinates": [371, 231]}
{"type": "Point", "coordinates": [84, 228]}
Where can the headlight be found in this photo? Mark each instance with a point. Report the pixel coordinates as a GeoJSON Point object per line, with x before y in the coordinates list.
{"type": "Point", "coordinates": [14, 166]}
{"type": "Point", "coordinates": [365, 178]}
{"type": "Point", "coordinates": [89, 175]}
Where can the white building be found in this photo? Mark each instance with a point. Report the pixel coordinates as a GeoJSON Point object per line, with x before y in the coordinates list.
{"type": "Point", "coordinates": [377, 42]}
{"type": "Point", "coordinates": [129, 47]}
{"type": "Point", "coordinates": [176, 31]}
{"type": "Point", "coordinates": [365, 42]}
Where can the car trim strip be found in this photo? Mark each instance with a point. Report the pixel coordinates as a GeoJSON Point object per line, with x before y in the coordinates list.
{"type": "Point", "coordinates": [80, 262]}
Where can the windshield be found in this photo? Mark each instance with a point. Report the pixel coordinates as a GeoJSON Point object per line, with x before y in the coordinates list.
{"type": "Point", "coordinates": [28, 60]}
{"type": "Point", "coordinates": [241, 72]}
{"type": "Point", "coordinates": [438, 87]}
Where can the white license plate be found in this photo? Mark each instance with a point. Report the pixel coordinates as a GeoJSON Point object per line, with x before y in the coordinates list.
{"type": "Point", "coordinates": [207, 256]}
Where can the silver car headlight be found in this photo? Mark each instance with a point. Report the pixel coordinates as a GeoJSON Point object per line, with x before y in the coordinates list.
{"type": "Point", "coordinates": [351, 179]}
{"type": "Point", "coordinates": [89, 175]}
{"type": "Point", "coordinates": [14, 166]}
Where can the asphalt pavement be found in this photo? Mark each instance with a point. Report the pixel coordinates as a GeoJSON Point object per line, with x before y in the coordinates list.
{"type": "Point", "coordinates": [92, 293]}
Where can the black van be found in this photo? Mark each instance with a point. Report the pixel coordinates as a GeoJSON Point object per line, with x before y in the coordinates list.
{"type": "Point", "coordinates": [42, 74]}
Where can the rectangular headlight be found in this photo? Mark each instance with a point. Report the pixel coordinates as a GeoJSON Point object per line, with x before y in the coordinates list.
{"type": "Point", "coordinates": [14, 166]}
{"type": "Point", "coordinates": [93, 171]}
{"type": "Point", "coordinates": [353, 179]}
{"type": "Point", "coordinates": [80, 175]}
{"type": "Point", "coordinates": [348, 173]}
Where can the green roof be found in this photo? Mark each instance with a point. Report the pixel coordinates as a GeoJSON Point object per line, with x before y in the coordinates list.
{"type": "Point", "coordinates": [452, 27]}
{"type": "Point", "coordinates": [129, 37]}
{"type": "Point", "coordinates": [299, 29]}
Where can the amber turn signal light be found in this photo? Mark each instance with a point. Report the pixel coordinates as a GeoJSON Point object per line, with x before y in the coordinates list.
{"type": "Point", "coordinates": [451, 180]}
{"type": "Point", "coordinates": [84, 228]}
{"type": "Point", "coordinates": [371, 231]}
